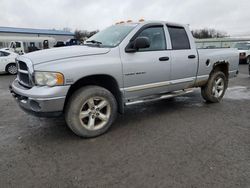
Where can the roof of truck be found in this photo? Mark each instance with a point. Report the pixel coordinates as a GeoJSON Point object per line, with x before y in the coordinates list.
{"type": "Point", "coordinates": [152, 22]}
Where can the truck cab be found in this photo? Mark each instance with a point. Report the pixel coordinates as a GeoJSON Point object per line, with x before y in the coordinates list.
{"type": "Point", "coordinates": [17, 47]}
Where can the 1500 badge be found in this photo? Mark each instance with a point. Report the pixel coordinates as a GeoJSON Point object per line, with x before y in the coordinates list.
{"type": "Point", "coordinates": [134, 73]}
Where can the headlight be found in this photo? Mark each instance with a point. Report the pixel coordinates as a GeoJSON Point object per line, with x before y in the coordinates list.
{"type": "Point", "coordinates": [49, 78]}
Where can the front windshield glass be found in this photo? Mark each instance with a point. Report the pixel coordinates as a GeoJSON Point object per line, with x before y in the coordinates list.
{"type": "Point", "coordinates": [243, 46]}
{"type": "Point", "coordinates": [111, 36]}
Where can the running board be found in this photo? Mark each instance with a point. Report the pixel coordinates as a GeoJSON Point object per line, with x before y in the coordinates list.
{"type": "Point", "coordinates": [160, 97]}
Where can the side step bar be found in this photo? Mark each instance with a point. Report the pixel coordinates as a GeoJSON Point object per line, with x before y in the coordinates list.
{"type": "Point", "coordinates": [160, 97]}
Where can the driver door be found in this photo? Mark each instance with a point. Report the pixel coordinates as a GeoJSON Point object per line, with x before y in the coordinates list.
{"type": "Point", "coordinates": [147, 71]}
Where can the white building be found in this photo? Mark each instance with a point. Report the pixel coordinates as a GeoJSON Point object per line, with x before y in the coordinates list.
{"type": "Point", "coordinates": [228, 42]}
{"type": "Point", "coordinates": [58, 35]}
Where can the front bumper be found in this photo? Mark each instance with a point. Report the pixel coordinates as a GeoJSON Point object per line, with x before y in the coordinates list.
{"type": "Point", "coordinates": [40, 101]}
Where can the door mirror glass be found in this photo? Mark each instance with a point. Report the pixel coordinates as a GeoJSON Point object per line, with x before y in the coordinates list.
{"type": "Point", "coordinates": [141, 42]}
{"type": "Point", "coordinates": [138, 43]}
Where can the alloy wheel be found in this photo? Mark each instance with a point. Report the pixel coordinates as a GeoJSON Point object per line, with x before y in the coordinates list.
{"type": "Point", "coordinates": [95, 113]}
{"type": "Point", "coordinates": [218, 87]}
{"type": "Point", "coordinates": [12, 69]}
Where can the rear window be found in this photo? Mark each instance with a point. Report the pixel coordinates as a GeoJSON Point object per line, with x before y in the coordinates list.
{"type": "Point", "coordinates": [179, 38]}
{"type": "Point", "coordinates": [2, 53]}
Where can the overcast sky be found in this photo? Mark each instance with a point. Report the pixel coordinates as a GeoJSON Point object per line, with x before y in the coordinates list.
{"type": "Point", "coordinates": [232, 16]}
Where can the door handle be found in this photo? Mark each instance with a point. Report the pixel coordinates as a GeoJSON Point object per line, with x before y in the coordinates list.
{"type": "Point", "coordinates": [191, 56]}
{"type": "Point", "coordinates": [163, 58]}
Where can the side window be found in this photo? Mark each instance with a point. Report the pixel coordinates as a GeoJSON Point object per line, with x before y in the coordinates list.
{"type": "Point", "coordinates": [32, 44]}
{"type": "Point", "coordinates": [6, 53]}
{"type": "Point", "coordinates": [18, 45]}
{"type": "Point", "coordinates": [156, 37]}
{"type": "Point", "coordinates": [2, 54]}
{"type": "Point", "coordinates": [45, 44]}
{"type": "Point", "coordinates": [179, 38]}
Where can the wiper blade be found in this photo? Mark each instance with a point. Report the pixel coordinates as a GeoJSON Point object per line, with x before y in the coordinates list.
{"type": "Point", "coordinates": [93, 41]}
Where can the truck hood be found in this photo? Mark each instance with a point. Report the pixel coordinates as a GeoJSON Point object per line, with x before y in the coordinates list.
{"type": "Point", "coordinates": [53, 54]}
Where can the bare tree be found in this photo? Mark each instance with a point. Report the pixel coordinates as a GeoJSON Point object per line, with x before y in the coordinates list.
{"type": "Point", "coordinates": [208, 33]}
{"type": "Point", "coordinates": [91, 33]}
{"type": "Point", "coordinates": [82, 35]}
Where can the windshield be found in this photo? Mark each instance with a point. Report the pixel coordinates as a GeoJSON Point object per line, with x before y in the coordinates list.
{"type": "Point", "coordinates": [111, 36]}
{"type": "Point", "coordinates": [242, 46]}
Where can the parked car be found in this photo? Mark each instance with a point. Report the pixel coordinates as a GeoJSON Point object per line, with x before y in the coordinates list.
{"type": "Point", "coordinates": [7, 61]}
{"type": "Point", "coordinates": [72, 42]}
{"type": "Point", "coordinates": [125, 64]}
{"type": "Point", "coordinates": [244, 51]}
{"type": "Point", "coordinates": [59, 44]}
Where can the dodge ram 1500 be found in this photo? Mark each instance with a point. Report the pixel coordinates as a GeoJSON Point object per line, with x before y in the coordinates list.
{"type": "Point", "coordinates": [125, 64]}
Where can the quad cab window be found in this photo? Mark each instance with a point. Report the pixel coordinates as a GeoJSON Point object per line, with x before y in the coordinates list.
{"type": "Point", "coordinates": [179, 38]}
{"type": "Point", "coordinates": [156, 38]}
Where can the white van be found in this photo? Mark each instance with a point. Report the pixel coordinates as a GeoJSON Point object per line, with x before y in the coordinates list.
{"type": "Point", "coordinates": [23, 45]}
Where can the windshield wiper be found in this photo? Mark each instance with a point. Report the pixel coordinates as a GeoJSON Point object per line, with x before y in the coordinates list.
{"type": "Point", "coordinates": [93, 41]}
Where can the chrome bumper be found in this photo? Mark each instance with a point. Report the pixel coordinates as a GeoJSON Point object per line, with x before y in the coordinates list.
{"type": "Point", "coordinates": [40, 101]}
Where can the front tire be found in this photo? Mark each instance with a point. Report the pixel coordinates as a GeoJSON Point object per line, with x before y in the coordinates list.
{"type": "Point", "coordinates": [11, 69]}
{"type": "Point", "coordinates": [215, 88]}
{"type": "Point", "coordinates": [91, 111]}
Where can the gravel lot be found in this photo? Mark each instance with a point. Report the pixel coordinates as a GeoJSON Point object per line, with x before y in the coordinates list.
{"type": "Point", "coordinates": [181, 142]}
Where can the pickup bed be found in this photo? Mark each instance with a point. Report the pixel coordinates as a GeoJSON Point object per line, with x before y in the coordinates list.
{"type": "Point", "coordinates": [122, 65]}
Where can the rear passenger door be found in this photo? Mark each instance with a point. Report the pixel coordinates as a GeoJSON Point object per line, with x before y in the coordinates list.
{"type": "Point", "coordinates": [184, 58]}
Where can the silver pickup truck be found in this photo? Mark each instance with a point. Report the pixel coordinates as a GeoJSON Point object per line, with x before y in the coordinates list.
{"type": "Point", "coordinates": [125, 64]}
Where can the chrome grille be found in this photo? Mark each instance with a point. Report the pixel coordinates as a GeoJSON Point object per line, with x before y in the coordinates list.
{"type": "Point", "coordinates": [22, 66]}
{"type": "Point", "coordinates": [24, 77]}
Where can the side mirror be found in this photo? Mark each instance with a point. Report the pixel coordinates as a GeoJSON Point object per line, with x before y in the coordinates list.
{"type": "Point", "coordinates": [138, 43]}
{"type": "Point", "coordinates": [141, 42]}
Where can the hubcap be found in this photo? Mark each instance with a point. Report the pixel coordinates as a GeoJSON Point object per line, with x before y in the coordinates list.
{"type": "Point", "coordinates": [12, 69]}
{"type": "Point", "coordinates": [218, 87]}
{"type": "Point", "coordinates": [95, 113]}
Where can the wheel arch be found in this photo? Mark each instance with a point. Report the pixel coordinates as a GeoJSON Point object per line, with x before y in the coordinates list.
{"type": "Point", "coordinates": [222, 66]}
{"type": "Point", "coordinates": [217, 66]}
{"type": "Point", "coordinates": [103, 80]}
{"type": "Point", "coordinates": [8, 64]}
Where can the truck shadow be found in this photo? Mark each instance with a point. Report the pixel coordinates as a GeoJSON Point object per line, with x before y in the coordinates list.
{"type": "Point", "coordinates": [56, 129]}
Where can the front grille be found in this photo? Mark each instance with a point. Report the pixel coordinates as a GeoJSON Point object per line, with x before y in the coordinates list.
{"type": "Point", "coordinates": [23, 74]}
{"type": "Point", "coordinates": [24, 78]}
{"type": "Point", "coordinates": [22, 66]}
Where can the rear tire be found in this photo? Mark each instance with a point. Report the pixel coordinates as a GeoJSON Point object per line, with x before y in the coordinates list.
{"type": "Point", "coordinates": [11, 68]}
{"type": "Point", "coordinates": [91, 111]}
{"type": "Point", "coordinates": [215, 88]}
